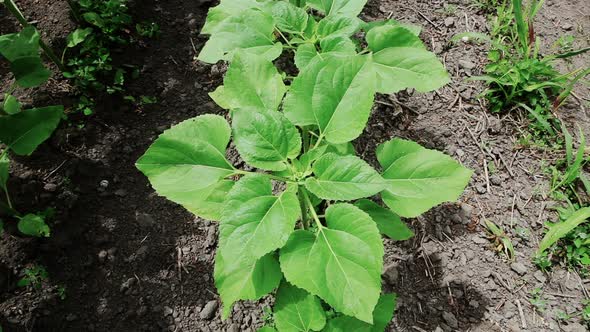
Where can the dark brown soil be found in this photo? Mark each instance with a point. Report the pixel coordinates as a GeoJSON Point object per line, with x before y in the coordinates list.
{"type": "Point", "coordinates": [132, 261]}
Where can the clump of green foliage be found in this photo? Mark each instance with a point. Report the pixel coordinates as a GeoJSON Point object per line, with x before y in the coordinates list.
{"type": "Point", "coordinates": [22, 130]}
{"type": "Point", "coordinates": [34, 277]}
{"type": "Point", "coordinates": [501, 240]}
{"type": "Point", "coordinates": [568, 240]}
{"type": "Point", "coordinates": [519, 76]}
{"type": "Point", "coordinates": [301, 224]}
{"type": "Point", "coordinates": [105, 25]}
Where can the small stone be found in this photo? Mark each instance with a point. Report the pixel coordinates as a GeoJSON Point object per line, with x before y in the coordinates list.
{"type": "Point", "coordinates": [480, 189]}
{"type": "Point", "coordinates": [466, 64]}
{"type": "Point", "coordinates": [121, 192]}
{"type": "Point", "coordinates": [450, 319]}
{"type": "Point", "coordinates": [540, 276]}
{"type": "Point", "coordinates": [573, 327]}
{"type": "Point", "coordinates": [567, 26]}
{"type": "Point", "coordinates": [391, 274]}
{"type": "Point", "coordinates": [495, 180]}
{"type": "Point", "coordinates": [71, 317]}
{"type": "Point", "coordinates": [479, 240]}
{"type": "Point", "coordinates": [144, 220]}
{"type": "Point", "coordinates": [104, 184]}
{"type": "Point", "coordinates": [510, 310]}
{"type": "Point", "coordinates": [460, 153]}
{"type": "Point", "coordinates": [208, 310]}
{"type": "Point", "coordinates": [141, 311]}
{"type": "Point", "coordinates": [168, 311]}
{"type": "Point", "coordinates": [449, 22]}
{"type": "Point", "coordinates": [102, 256]}
{"type": "Point", "coordinates": [51, 187]}
{"type": "Point", "coordinates": [127, 284]}
{"type": "Point", "coordinates": [518, 268]}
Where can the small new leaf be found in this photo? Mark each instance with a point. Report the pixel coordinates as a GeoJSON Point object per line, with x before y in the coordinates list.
{"type": "Point", "coordinates": [251, 83]}
{"type": "Point", "coordinates": [335, 94]}
{"type": "Point", "coordinates": [265, 140]}
{"type": "Point", "coordinates": [289, 18]}
{"type": "Point", "coordinates": [33, 225]}
{"type": "Point", "coordinates": [251, 30]}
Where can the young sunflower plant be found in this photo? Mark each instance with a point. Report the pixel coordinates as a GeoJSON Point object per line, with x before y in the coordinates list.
{"type": "Point", "coordinates": [301, 224]}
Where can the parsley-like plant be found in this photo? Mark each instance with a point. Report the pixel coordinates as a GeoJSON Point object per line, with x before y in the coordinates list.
{"type": "Point", "coordinates": [285, 224]}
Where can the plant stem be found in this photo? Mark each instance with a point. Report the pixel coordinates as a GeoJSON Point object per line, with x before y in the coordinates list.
{"type": "Point", "coordinates": [2, 155]}
{"type": "Point", "coordinates": [304, 217]}
{"type": "Point", "coordinates": [305, 135]}
{"type": "Point", "coordinates": [320, 138]}
{"type": "Point", "coordinates": [284, 38]}
{"type": "Point", "coordinates": [313, 213]}
{"type": "Point", "coordinates": [75, 11]}
{"type": "Point", "coordinates": [13, 9]}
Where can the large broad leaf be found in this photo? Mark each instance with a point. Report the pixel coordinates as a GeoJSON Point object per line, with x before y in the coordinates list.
{"type": "Point", "coordinates": [419, 179]}
{"type": "Point", "coordinates": [245, 279]}
{"type": "Point", "coordinates": [33, 225]}
{"type": "Point", "coordinates": [335, 94]}
{"type": "Point", "coordinates": [386, 36]}
{"type": "Point", "coordinates": [29, 71]}
{"type": "Point", "coordinates": [414, 29]}
{"type": "Point", "coordinates": [400, 68]}
{"type": "Point", "coordinates": [18, 45]}
{"type": "Point", "coordinates": [333, 46]}
{"type": "Point", "coordinates": [401, 61]}
{"type": "Point", "coordinates": [11, 105]}
{"type": "Point", "coordinates": [289, 18]}
{"type": "Point", "coordinates": [187, 164]}
{"type": "Point", "coordinates": [381, 317]}
{"type": "Point", "coordinates": [341, 263]}
{"type": "Point", "coordinates": [225, 10]}
{"type": "Point", "coordinates": [349, 8]}
{"type": "Point", "coordinates": [4, 170]}
{"type": "Point", "coordinates": [265, 140]}
{"type": "Point", "coordinates": [251, 30]}
{"type": "Point", "coordinates": [343, 178]}
{"type": "Point", "coordinates": [22, 51]}
{"type": "Point", "coordinates": [388, 222]}
{"type": "Point", "coordinates": [338, 25]}
{"type": "Point", "coordinates": [559, 230]}
{"type": "Point", "coordinates": [296, 310]}
{"type": "Point", "coordinates": [262, 329]}
{"type": "Point", "coordinates": [305, 53]}
{"type": "Point", "coordinates": [254, 221]}
{"type": "Point", "coordinates": [24, 131]}
{"type": "Point", "coordinates": [78, 36]}
{"type": "Point", "coordinates": [252, 83]}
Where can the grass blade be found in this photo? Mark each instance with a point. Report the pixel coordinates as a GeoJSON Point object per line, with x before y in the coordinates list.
{"type": "Point", "coordinates": [559, 230]}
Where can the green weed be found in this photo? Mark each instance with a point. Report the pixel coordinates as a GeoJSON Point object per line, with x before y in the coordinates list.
{"type": "Point", "coordinates": [34, 277]}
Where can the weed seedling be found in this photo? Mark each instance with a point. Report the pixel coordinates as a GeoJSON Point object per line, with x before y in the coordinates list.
{"type": "Point", "coordinates": [519, 77]}
{"type": "Point", "coordinates": [34, 276]}
{"type": "Point", "coordinates": [536, 300]}
{"type": "Point", "coordinates": [502, 242]}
